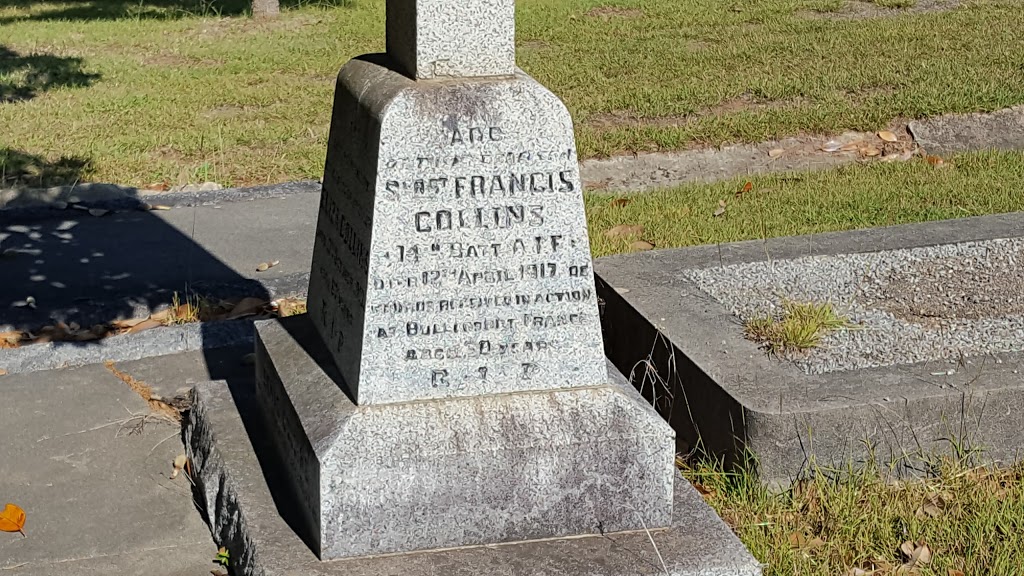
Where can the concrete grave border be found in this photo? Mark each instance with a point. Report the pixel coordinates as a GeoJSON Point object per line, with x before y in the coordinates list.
{"type": "Point", "coordinates": [686, 353]}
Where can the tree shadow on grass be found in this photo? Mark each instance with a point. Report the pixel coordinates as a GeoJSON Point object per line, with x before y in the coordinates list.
{"type": "Point", "coordinates": [83, 10]}
{"type": "Point", "coordinates": [21, 171]}
{"type": "Point", "coordinates": [23, 77]}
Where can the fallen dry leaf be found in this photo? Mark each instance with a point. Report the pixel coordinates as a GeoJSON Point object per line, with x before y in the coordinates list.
{"type": "Point", "coordinates": [851, 146]}
{"type": "Point", "coordinates": [932, 507]}
{"type": "Point", "coordinates": [179, 464]}
{"type": "Point", "coordinates": [620, 202]}
{"type": "Point", "coordinates": [934, 160]}
{"type": "Point", "coordinates": [97, 212]}
{"type": "Point", "coordinates": [11, 339]}
{"type": "Point", "coordinates": [624, 230]}
{"type": "Point", "coordinates": [246, 307]}
{"type": "Point", "coordinates": [720, 210]}
{"type": "Point", "coordinates": [127, 323]}
{"type": "Point", "coordinates": [145, 325]}
{"type": "Point", "coordinates": [799, 540]}
{"type": "Point", "coordinates": [775, 152]}
{"type": "Point", "coordinates": [704, 490]}
{"type": "Point", "coordinates": [746, 188]}
{"type": "Point", "coordinates": [641, 245]}
{"type": "Point", "coordinates": [870, 151]}
{"type": "Point", "coordinates": [12, 519]}
{"type": "Point", "coordinates": [918, 554]}
{"type": "Point", "coordinates": [888, 136]}
{"type": "Point", "coordinates": [264, 266]}
{"type": "Point", "coordinates": [3, 372]}
{"type": "Point", "coordinates": [954, 572]}
{"type": "Point", "coordinates": [831, 146]}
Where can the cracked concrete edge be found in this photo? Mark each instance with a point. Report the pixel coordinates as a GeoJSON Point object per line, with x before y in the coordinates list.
{"type": "Point", "coordinates": [122, 348]}
{"type": "Point", "coordinates": [42, 202]}
{"type": "Point", "coordinates": [147, 344]}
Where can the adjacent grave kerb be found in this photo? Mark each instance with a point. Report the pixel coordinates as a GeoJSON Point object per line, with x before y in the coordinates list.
{"type": "Point", "coordinates": [452, 39]}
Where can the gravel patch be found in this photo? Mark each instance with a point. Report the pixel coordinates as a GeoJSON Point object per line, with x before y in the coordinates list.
{"type": "Point", "coordinates": [905, 306]}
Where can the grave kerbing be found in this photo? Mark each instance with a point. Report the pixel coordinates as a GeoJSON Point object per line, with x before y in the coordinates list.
{"type": "Point", "coordinates": [463, 396]}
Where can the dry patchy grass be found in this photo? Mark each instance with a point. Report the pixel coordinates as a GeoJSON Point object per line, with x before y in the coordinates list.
{"type": "Point", "coordinates": [971, 520]}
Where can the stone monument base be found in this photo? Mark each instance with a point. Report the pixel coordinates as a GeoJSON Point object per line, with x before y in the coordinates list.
{"type": "Point", "coordinates": [444, 473]}
{"type": "Point", "coordinates": [251, 511]}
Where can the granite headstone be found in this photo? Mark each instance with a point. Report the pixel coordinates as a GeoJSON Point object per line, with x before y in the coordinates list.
{"type": "Point", "coordinates": [449, 387]}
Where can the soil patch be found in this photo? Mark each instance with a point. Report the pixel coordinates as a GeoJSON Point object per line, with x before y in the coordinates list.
{"type": "Point", "coordinates": [861, 9]}
{"type": "Point", "coordinates": [172, 60]}
{"type": "Point", "coordinates": [607, 12]}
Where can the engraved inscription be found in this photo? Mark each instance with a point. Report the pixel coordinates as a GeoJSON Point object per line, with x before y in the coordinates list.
{"type": "Point", "coordinates": [462, 266]}
{"type": "Point", "coordinates": [486, 276]}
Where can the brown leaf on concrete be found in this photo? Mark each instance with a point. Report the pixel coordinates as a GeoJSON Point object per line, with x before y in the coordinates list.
{"type": "Point", "coordinates": [888, 136]}
{"type": "Point", "coordinates": [11, 339]}
{"type": "Point", "coordinates": [12, 519]}
{"type": "Point", "coordinates": [127, 323]}
{"type": "Point", "coordinates": [246, 307]}
{"type": "Point", "coordinates": [179, 464]}
{"type": "Point", "coordinates": [775, 152]}
{"type": "Point", "coordinates": [145, 325]}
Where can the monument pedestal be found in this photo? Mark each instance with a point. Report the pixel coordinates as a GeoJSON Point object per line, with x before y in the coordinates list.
{"type": "Point", "coordinates": [448, 391]}
{"type": "Point", "coordinates": [253, 513]}
{"type": "Point", "coordinates": [461, 471]}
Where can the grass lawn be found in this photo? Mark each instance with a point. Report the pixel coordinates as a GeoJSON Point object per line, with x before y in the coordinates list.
{"type": "Point", "coordinates": [191, 90]}
{"type": "Point", "coordinates": [963, 520]}
{"type": "Point", "coordinates": [850, 197]}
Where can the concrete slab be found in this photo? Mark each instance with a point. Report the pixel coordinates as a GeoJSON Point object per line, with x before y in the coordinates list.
{"type": "Point", "coordinates": [686, 352]}
{"type": "Point", "coordinates": [95, 487]}
{"type": "Point", "coordinates": [88, 269]}
{"type": "Point", "coordinates": [953, 133]}
{"type": "Point", "coordinates": [253, 517]}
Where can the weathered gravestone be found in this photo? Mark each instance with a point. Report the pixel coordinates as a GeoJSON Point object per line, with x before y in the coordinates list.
{"type": "Point", "coordinates": [452, 289]}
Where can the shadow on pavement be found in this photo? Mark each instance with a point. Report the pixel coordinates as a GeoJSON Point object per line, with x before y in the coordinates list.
{"type": "Point", "coordinates": [97, 266]}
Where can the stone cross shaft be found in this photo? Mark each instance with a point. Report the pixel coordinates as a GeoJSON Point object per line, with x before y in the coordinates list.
{"type": "Point", "coordinates": [432, 39]}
